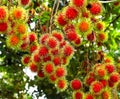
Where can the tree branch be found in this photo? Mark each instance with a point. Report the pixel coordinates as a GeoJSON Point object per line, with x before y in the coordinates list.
{"type": "Point", "coordinates": [112, 22]}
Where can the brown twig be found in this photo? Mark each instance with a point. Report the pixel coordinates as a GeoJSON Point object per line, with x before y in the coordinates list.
{"type": "Point", "coordinates": [112, 22]}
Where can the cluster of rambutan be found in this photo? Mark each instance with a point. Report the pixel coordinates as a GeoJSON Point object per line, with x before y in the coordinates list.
{"type": "Point", "coordinates": [102, 79]}
{"type": "Point", "coordinates": [13, 23]}
{"type": "Point", "coordinates": [80, 21]}
{"type": "Point", "coordinates": [50, 58]}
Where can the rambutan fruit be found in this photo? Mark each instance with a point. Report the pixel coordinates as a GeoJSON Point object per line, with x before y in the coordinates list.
{"type": "Point", "coordinates": [78, 94]}
{"type": "Point", "coordinates": [53, 78]}
{"type": "Point", "coordinates": [24, 2]}
{"type": "Point", "coordinates": [33, 48]}
{"type": "Point", "coordinates": [89, 96]}
{"type": "Point", "coordinates": [18, 14]}
{"type": "Point", "coordinates": [96, 8]}
{"type": "Point", "coordinates": [43, 51]}
{"type": "Point", "coordinates": [58, 36]}
{"type": "Point", "coordinates": [3, 27]}
{"type": "Point", "coordinates": [84, 26]}
{"type": "Point", "coordinates": [76, 84]}
{"type": "Point", "coordinates": [32, 37]}
{"type": "Point", "coordinates": [71, 35]}
{"type": "Point", "coordinates": [65, 61]}
{"type": "Point", "coordinates": [21, 28]}
{"type": "Point", "coordinates": [104, 82]}
{"type": "Point", "coordinates": [61, 84]}
{"type": "Point", "coordinates": [110, 83]}
{"type": "Point", "coordinates": [40, 74]}
{"type": "Point", "coordinates": [26, 59]}
{"type": "Point", "coordinates": [57, 60]}
{"type": "Point", "coordinates": [102, 37]}
{"type": "Point", "coordinates": [89, 80]}
{"type": "Point", "coordinates": [52, 42]}
{"type": "Point", "coordinates": [96, 87]}
{"type": "Point", "coordinates": [60, 72]}
{"type": "Point", "coordinates": [13, 41]}
{"type": "Point", "coordinates": [71, 13]}
{"type": "Point", "coordinates": [100, 26]}
{"type": "Point", "coordinates": [106, 95]}
{"type": "Point", "coordinates": [108, 59]}
{"type": "Point", "coordinates": [85, 14]}
{"type": "Point", "coordinates": [91, 37]}
{"type": "Point", "coordinates": [47, 58]}
{"type": "Point", "coordinates": [54, 51]}
{"type": "Point", "coordinates": [77, 41]}
{"type": "Point", "coordinates": [33, 67]}
{"type": "Point", "coordinates": [62, 44]}
{"type": "Point", "coordinates": [110, 68]}
{"type": "Point", "coordinates": [78, 3]}
{"type": "Point", "coordinates": [48, 68]}
{"type": "Point", "coordinates": [24, 46]}
{"type": "Point", "coordinates": [43, 38]}
{"type": "Point", "coordinates": [101, 72]}
{"type": "Point", "coordinates": [114, 77]}
{"type": "Point", "coordinates": [69, 27]}
{"type": "Point", "coordinates": [68, 50]}
{"type": "Point", "coordinates": [61, 19]}
{"type": "Point", "coordinates": [3, 13]}
{"type": "Point", "coordinates": [36, 58]}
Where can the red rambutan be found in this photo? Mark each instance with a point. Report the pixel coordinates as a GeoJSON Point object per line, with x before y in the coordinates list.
{"type": "Point", "coordinates": [24, 2]}
{"type": "Point", "coordinates": [77, 95]}
{"type": "Point", "coordinates": [33, 48]}
{"type": "Point", "coordinates": [3, 26]}
{"type": "Point", "coordinates": [68, 50]}
{"type": "Point", "coordinates": [53, 78]}
{"type": "Point", "coordinates": [57, 60]}
{"type": "Point", "coordinates": [43, 38]}
{"type": "Point", "coordinates": [89, 96]}
{"type": "Point", "coordinates": [71, 35]}
{"type": "Point", "coordinates": [48, 68]}
{"type": "Point", "coordinates": [91, 37]}
{"type": "Point", "coordinates": [52, 42]}
{"type": "Point", "coordinates": [33, 67]}
{"type": "Point", "coordinates": [105, 95]}
{"type": "Point", "coordinates": [61, 20]}
{"type": "Point", "coordinates": [32, 37]}
{"type": "Point", "coordinates": [60, 71]}
{"type": "Point", "coordinates": [43, 51]}
{"type": "Point", "coordinates": [61, 84]}
{"type": "Point", "coordinates": [95, 8]}
{"type": "Point", "coordinates": [36, 58]}
{"type": "Point", "coordinates": [110, 68]}
{"type": "Point", "coordinates": [78, 3]}
{"type": "Point", "coordinates": [25, 59]}
{"type": "Point", "coordinates": [104, 82]}
{"type": "Point", "coordinates": [40, 74]}
{"type": "Point", "coordinates": [114, 77]}
{"type": "Point", "coordinates": [76, 84]}
{"type": "Point", "coordinates": [47, 58]}
{"type": "Point", "coordinates": [71, 13]}
{"type": "Point", "coordinates": [58, 36]}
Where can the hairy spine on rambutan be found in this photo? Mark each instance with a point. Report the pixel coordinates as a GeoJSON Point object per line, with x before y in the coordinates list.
{"type": "Point", "coordinates": [61, 19]}
{"type": "Point", "coordinates": [76, 84]}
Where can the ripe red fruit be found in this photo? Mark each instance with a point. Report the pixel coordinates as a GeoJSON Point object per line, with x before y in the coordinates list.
{"type": "Point", "coordinates": [105, 95]}
{"type": "Point", "coordinates": [96, 87]}
{"type": "Point", "coordinates": [24, 2]}
{"type": "Point", "coordinates": [101, 72]}
{"type": "Point", "coordinates": [84, 26]}
{"type": "Point", "coordinates": [43, 38]}
{"type": "Point", "coordinates": [69, 27]}
{"type": "Point", "coordinates": [33, 67]}
{"type": "Point", "coordinates": [24, 46]}
{"type": "Point", "coordinates": [110, 83]}
{"type": "Point", "coordinates": [40, 74]}
{"type": "Point", "coordinates": [57, 60]}
{"type": "Point", "coordinates": [3, 26]}
{"type": "Point", "coordinates": [68, 50]}
{"type": "Point", "coordinates": [52, 42]}
{"type": "Point", "coordinates": [48, 68]}
{"type": "Point", "coordinates": [61, 20]}
{"type": "Point", "coordinates": [89, 80]}
{"type": "Point", "coordinates": [47, 58]}
{"type": "Point", "coordinates": [53, 78]}
{"type": "Point", "coordinates": [54, 51]}
{"type": "Point", "coordinates": [33, 48]}
{"type": "Point", "coordinates": [58, 36]}
{"type": "Point", "coordinates": [89, 96]}
{"type": "Point", "coordinates": [71, 13]}
{"type": "Point", "coordinates": [114, 77]}
{"type": "Point", "coordinates": [26, 59]}
{"type": "Point", "coordinates": [62, 84]}
{"type": "Point", "coordinates": [32, 37]}
{"type": "Point", "coordinates": [36, 58]}
{"type": "Point", "coordinates": [76, 84]}
{"type": "Point", "coordinates": [99, 26]}
{"type": "Point", "coordinates": [78, 41]}
{"type": "Point", "coordinates": [95, 8]}
{"type": "Point", "coordinates": [78, 95]}
{"type": "Point", "coordinates": [60, 71]}
{"type": "Point", "coordinates": [78, 3]}
{"type": "Point", "coordinates": [85, 14]}
{"type": "Point", "coordinates": [43, 51]}
{"type": "Point", "coordinates": [104, 82]}
{"type": "Point", "coordinates": [71, 35]}
{"type": "Point", "coordinates": [110, 68]}
{"type": "Point", "coordinates": [62, 44]}
{"type": "Point", "coordinates": [91, 37]}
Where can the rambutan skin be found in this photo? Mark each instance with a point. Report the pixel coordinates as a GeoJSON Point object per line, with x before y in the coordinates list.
{"type": "Point", "coordinates": [114, 77]}
{"type": "Point", "coordinates": [71, 35]}
{"type": "Point", "coordinates": [48, 68]}
{"type": "Point", "coordinates": [3, 26]}
{"type": "Point", "coordinates": [32, 37]}
{"type": "Point", "coordinates": [52, 42]}
{"type": "Point", "coordinates": [78, 3]}
{"type": "Point", "coordinates": [33, 67]}
{"type": "Point", "coordinates": [60, 72]}
{"type": "Point", "coordinates": [110, 68]}
{"type": "Point", "coordinates": [61, 20]}
{"type": "Point", "coordinates": [24, 2]}
{"type": "Point", "coordinates": [84, 26]}
{"type": "Point", "coordinates": [76, 84]}
{"type": "Point", "coordinates": [71, 13]}
{"type": "Point", "coordinates": [95, 8]}
{"type": "Point", "coordinates": [43, 51]}
{"type": "Point", "coordinates": [68, 50]}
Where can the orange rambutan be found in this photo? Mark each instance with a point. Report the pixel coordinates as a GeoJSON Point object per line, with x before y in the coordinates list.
{"type": "Point", "coordinates": [84, 26]}
{"type": "Point", "coordinates": [20, 28]}
{"type": "Point", "coordinates": [89, 96]}
{"type": "Point", "coordinates": [106, 95]}
{"type": "Point", "coordinates": [102, 37]}
{"type": "Point", "coordinates": [3, 13]}
{"type": "Point", "coordinates": [60, 72]}
{"type": "Point", "coordinates": [61, 84]}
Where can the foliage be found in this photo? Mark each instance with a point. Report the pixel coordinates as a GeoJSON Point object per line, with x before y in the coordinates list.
{"type": "Point", "coordinates": [43, 13]}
